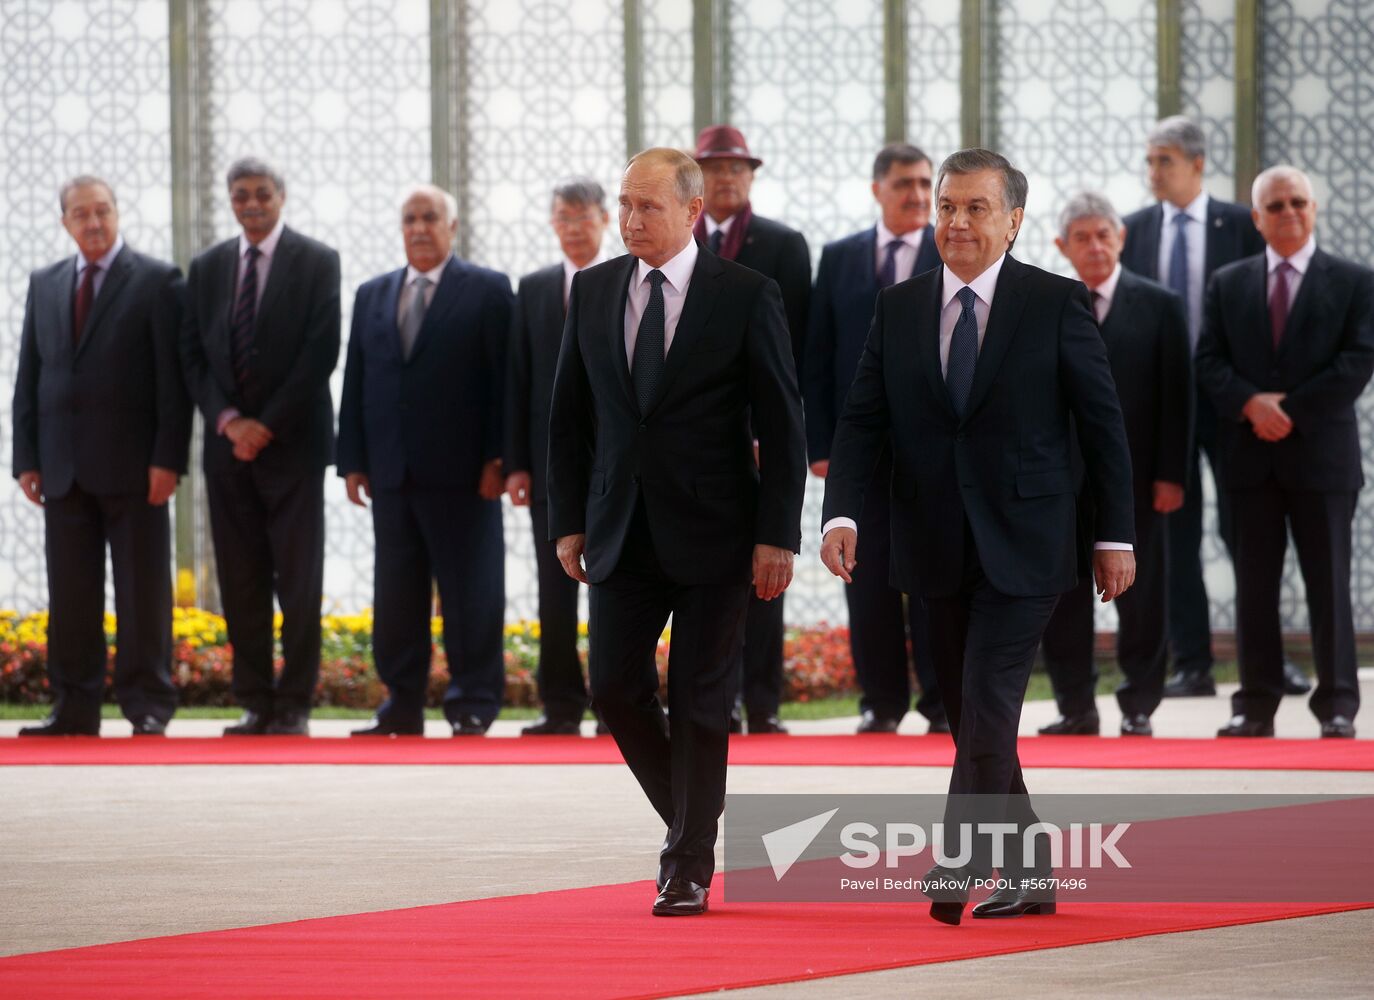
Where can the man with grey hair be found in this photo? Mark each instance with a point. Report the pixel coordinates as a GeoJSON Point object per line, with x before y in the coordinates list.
{"type": "Point", "coordinates": [1179, 242]}
{"type": "Point", "coordinates": [420, 435]}
{"type": "Point", "coordinates": [260, 341]}
{"type": "Point", "coordinates": [579, 220]}
{"type": "Point", "coordinates": [1146, 334]}
{"type": "Point", "coordinates": [669, 354]}
{"type": "Point", "coordinates": [972, 372]}
{"type": "Point", "coordinates": [1287, 349]}
{"type": "Point", "coordinates": [101, 429]}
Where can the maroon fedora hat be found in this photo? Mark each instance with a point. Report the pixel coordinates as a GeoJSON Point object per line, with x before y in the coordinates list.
{"type": "Point", "coordinates": [721, 142]}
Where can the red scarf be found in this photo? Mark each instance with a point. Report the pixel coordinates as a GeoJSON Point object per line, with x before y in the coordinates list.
{"type": "Point", "coordinates": [733, 241]}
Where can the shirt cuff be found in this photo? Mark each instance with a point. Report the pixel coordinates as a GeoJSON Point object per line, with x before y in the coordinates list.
{"type": "Point", "coordinates": [224, 417]}
{"type": "Point", "coordinates": [839, 522]}
{"type": "Point", "coordinates": [1113, 547]}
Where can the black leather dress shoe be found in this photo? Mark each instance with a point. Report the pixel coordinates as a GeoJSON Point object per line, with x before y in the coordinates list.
{"type": "Point", "coordinates": [760, 724]}
{"type": "Point", "coordinates": [56, 725]}
{"type": "Point", "coordinates": [947, 889]}
{"type": "Point", "coordinates": [871, 722]}
{"type": "Point", "coordinates": [289, 724]}
{"type": "Point", "coordinates": [681, 898]}
{"type": "Point", "coordinates": [1241, 726]}
{"type": "Point", "coordinates": [736, 721]}
{"type": "Point", "coordinates": [252, 724]}
{"type": "Point", "coordinates": [1294, 680]}
{"type": "Point", "coordinates": [391, 727]}
{"type": "Point", "coordinates": [939, 724]}
{"type": "Point", "coordinates": [1193, 684]}
{"type": "Point", "coordinates": [1017, 902]}
{"type": "Point", "coordinates": [545, 726]}
{"type": "Point", "coordinates": [602, 729]}
{"type": "Point", "coordinates": [469, 725]}
{"type": "Point", "coordinates": [150, 725]}
{"type": "Point", "coordinates": [1338, 727]}
{"type": "Point", "coordinates": [1136, 724]}
{"type": "Point", "coordinates": [1081, 724]}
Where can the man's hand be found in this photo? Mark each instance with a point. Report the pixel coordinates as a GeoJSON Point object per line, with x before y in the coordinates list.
{"type": "Point", "coordinates": [772, 571]}
{"type": "Point", "coordinates": [518, 487]}
{"type": "Point", "coordinates": [837, 551]}
{"type": "Point", "coordinates": [1168, 496]}
{"type": "Point", "coordinates": [358, 486]}
{"type": "Point", "coordinates": [492, 484]}
{"type": "Point", "coordinates": [570, 549]}
{"type": "Point", "coordinates": [1114, 570]}
{"type": "Point", "coordinates": [819, 469]}
{"type": "Point", "coordinates": [32, 485]}
{"type": "Point", "coordinates": [162, 483]}
{"type": "Point", "coordinates": [249, 437]}
{"type": "Point", "coordinates": [1266, 416]}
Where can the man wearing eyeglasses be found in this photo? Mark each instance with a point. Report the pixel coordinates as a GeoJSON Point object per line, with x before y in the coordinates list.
{"type": "Point", "coordinates": [1287, 348]}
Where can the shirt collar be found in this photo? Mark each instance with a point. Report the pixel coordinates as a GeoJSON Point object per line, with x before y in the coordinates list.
{"type": "Point", "coordinates": [983, 286]}
{"type": "Point", "coordinates": [1299, 262]}
{"type": "Point", "coordinates": [1195, 209]}
{"type": "Point", "coordinates": [569, 268]}
{"type": "Point", "coordinates": [433, 274]}
{"type": "Point", "coordinates": [677, 271]}
{"type": "Point", "coordinates": [1108, 287]}
{"type": "Point", "coordinates": [712, 225]}
{"type": "Point", "coordinates": [268, 246]}
{"type": "Point", "coordinates": [886, 236]}
{"type": "Point", "coordinates": [103, 262]}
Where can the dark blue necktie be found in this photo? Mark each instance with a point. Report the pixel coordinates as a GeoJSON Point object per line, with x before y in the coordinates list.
{"type": "Point", "coordinates": [887, 274]}
{"type": "Point", "coordinates": [963, 352]}
{"type": "Point", "coordinates": [1178, 258]}
{"type": "Point", "coordinates": [648, 355]}
{"type": "Point", "coordinates": [715, 239]}
{"type": "Point", "coordinates": [245, 315]}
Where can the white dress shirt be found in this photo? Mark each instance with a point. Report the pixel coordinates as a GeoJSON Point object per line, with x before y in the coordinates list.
{"type": "Point", "coordinates": [570, 269]}
{"type": "Point", "coordinates": [102, 262]}
{"type": "Point", "coordinates": [906, 253]}
{"type": "Point", "coordinates": [1195, 239]}
{"type": "Point", "coordinates": [1299, 262]}
{"type": "Point", "coordinates": [724, 226]}
{"type": "Point", "coordinates": [678, 275]}
{"type": "Point", "coordinates": [1104, 293]}
{"type": "Point", "coordinates": [267, 250]}
{"type": "Point", "coordinates": [408, 288]}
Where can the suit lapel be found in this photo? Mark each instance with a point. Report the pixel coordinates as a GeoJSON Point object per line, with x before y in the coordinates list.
{"type": "Point", "coordinates": [1121, 306]}
{"type": "Point", "coordinates": [928, 257]}
{"type": "Point", "coordinates": [696, 311]}
{"type": "Point", "coordinates": [1215, 238]}
{"type": "Point", "coordinates": [110, 288]}
{"type": "Point", "coordinates": [1007, 299]}
{"type": "Point", "coordinates": [927, 320]}
{"type": "Point", "coordinates": [446, 298]}
{"type": "Point", "coordinates": [65, 289]}
{"type": "Point", "coordinates": [388, 306]}
{"type": "Point", "coordinates": [614, 320]}
{"type": "Point", "coordinates": [278, 275]}
{"type": "Point", "coordinates": [1149, 243]}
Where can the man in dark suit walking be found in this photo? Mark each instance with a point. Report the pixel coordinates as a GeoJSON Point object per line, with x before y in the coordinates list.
{"type": "Point", "coordinates": [1179, 242]}
{"type": "Point", "coordinates": [972, 371]}
{"type": "Point", "coordinates": [579, 220]}
{"type": "Point", "coordinates": [101, 428]}
{"type": "Point", "coordinates": [260, 341]}
{"type": "Point", "coordinates": [420, 435]}
{"type": "Point", "coordinates": [1146, 335]}
{"type": "Point", "coordinates": [729, 227]}
{"type": "Point", "coordinates": [669, 354]}
{"type": "Point", "coordinates": [1287, 349]}
{"type": "Point", "coordinates": [852, 272]}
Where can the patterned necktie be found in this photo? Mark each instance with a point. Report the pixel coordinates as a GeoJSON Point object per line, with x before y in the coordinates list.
{"type": "Point", "coordinates": [245, 315]}
{"type": "Point", "coordinates": [963, 352]}
{"type": "Point", "coordinates": [715, 240]}
{"type": "Point", "coordinates": [1278, 302]}
{"type": "Point", "coordinates": [1178, 258]}
{"type": "Point", "coordinates": [648, 354]}
{"type": "Point", "coordinates": [887, 274]}
{"type": "Point", "coordinates": [85, 295]}
{"type": "Point", "coordinates": [414, 317]}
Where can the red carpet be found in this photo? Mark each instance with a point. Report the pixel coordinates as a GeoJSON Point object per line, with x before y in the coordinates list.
{"type": "Point", "coordinates": [926, 751]}
{"type": "Point", "coordinates": [597, 942]}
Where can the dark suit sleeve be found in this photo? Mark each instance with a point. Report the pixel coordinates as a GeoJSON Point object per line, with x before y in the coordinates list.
{"type": "Point", "coordinates": [1177, 400]}
{"type": "Point", "coordinates": [195, 365]}
{"type": "Point", "coordinates": [293, 402]}
{"type": "Point", "coordinates": [351, 450]}
{"type": "Point", "coordinates": [1337, 386]}
{"type": "Point", "coordinates": [775, 405]}
{"type": "Point", "coordinates": [172, 441]}
{"type": "Point", "coordinates": [863, 429]}
{"type": "Point", "coordinates": [517, 406]}
{"type": "Point", "coordinates": [1215, 371]}
{"type": "Point", "coordinates": [1086, 376]}
{"type": "Point", "coordinates": [794, 280]}
{"type": "Point", "coordinates": [496, 326]}
{"type": "Point", "coordinates": [571, 431]}
{"type": "Point", "coordinates": [26, 394]}
{"type": "Point", "coordinates": [819, 367]}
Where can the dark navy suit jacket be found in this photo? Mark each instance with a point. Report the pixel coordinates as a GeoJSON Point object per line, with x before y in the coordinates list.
{"type": "Point", "coordinates": [1231, 235]}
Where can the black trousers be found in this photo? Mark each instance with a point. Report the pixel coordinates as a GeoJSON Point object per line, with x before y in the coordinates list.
{"type": "Point", "coordinates": [452, 538]}
{"type": "Point", "coordinates": [1320, 523]}
{"type": "Point", "coordinates": [1190, 627]}
{"type": "Point", "coordinates": [1140, 645]}
{"type": "Point", "coordinates": [79, 526]}
{"type": "Point", "coordinates": [683, 775]}
{"type": "Point", "coordinates": [562, 690]}
{"type": "Point", "coordinates": [881, 619]}
{"type": "Point", "coordinates": [268, 531]}
{"type": "Point", "coordinates": [984, 645]}
{"type": "Point", "coordinates": [761, 677]}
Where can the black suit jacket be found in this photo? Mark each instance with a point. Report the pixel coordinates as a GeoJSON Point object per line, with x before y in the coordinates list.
{"type": "Point", "coordinates": [297, 347]}
{"type": "Point", "coordinates": [691, 455]}
{"type": "Point", "coordinates": [841, 315]}
{"type": "Point", "coordinates": [780, 253]}
{"type": "Point", "coordinates": [100, 413]}
{"type": "Point", "coordinates": [536, 334]}
{"type": "Point", "coordinates": [1008, 464]}
{"type": "Point", "coordinates": [1231, 235]}
{"type": "Point", "coordinates": [434, 419]}
{"type": "Point", "coordinates": [1323, 363]}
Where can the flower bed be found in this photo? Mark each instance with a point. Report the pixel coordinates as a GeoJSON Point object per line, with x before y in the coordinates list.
{"type": "Point", "coordinates": [816, 661]}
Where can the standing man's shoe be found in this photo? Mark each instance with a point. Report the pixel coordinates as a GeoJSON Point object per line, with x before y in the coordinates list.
{"type": "Point", "coordinates": [760, 724]}
{"type": "Point", "coordinates": [1294, 680]}
{"type": "Point", "coordinates": [1136, 724]}
{"type": "Point", "coordinates": [1242, 726]}
{"type": "Point", "coordinates": [1080, 724]}
{"type": "Point", "coordinates": [289, 724]}
{"type": "Point", "coordinates": [1017, 902]}
{"type": "Point", "coordinates": [947, 889]}
{"type": "Point", "coordinates": [681, 898]}
{"type": "Point", "coordinates": [56, 725]}
{"type": "Point", "coordinates": [252, 724]}
{"type": "Point", "coordinates": [871, 722]}
{"type": "Point", "coordinates": [939, 724]}
{"type": "Point", "coordinates": [1193, 684]}
{"type": "Point", "coordinates": [150, 725]}
{"type": "Point", "coordinates": [391, 727]}
{"type": "Point", "coordinates": [545, 726]}
{"type": "Point", "coordinates": [1338, 727]}
{"type": "Point", "coordinates": [469, 725]}
{"type": "Point", "coordinates": [736, 721]}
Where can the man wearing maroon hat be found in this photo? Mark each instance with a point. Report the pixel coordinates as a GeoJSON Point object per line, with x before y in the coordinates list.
{"type": "Point", "coordinates": [729, 227]}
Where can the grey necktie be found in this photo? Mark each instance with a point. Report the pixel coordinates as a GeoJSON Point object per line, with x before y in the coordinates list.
{"type": "Point", "coordinates": [414, 316]}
